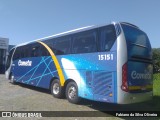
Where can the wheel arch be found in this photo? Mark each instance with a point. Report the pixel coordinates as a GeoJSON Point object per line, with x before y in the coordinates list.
{"type": "Point", "coordinates": [54, 78]}
{"type": "Point", "coordinates": [68, 81]}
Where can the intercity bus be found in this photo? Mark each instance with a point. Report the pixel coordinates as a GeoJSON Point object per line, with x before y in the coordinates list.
{"type": "Point", "coordinates": [107, 63]}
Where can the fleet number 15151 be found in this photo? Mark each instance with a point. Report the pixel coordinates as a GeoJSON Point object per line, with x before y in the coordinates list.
{"type": "Point", "coordinates": [105, 57]}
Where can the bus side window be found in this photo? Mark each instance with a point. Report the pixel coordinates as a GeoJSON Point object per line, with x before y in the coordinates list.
{"type": "Point", "coordinates": [84, 42]}
{"type": "Point", "coordinates": [62, 46]}
{"type": "Point", "coordinates": [8, 63]}
{"type": "Point", "coordinates": [107, 38]}
{"type": "Point", "coordinates": [22, 52]}
{"type": "Point", "coordinates": [27, 50]}
{"type": "Point", "coordinates": [44, 51]}
{"type": "Point", "coordinates": [17, 54]}
{"type": "Point", "coordinates": [35, 50]}
{"type": "Point", "coordinates": [49, 43]}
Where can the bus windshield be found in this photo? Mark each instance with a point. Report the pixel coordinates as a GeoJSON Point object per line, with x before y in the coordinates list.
{"type": "Point", "coordinates": [138, 44]}
{"type": "Point", "coordinates": [9, 59]}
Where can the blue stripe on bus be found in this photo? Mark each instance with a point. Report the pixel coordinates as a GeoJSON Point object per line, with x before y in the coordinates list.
{"type": "Point", "coordinates": [32, 69]}
{"type": "Point", "coordinates": [44, 72]}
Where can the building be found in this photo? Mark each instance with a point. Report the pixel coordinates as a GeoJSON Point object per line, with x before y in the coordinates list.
{"type": "Point", "coordinates": [4, 44]}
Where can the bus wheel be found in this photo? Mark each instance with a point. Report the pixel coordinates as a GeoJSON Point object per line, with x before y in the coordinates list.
{"type": "Point", "coordinates": [12, 80]}
{"type": "Point", "coordinates": [72, 93]}
{"type": "Point", "coordinates": [56, 89]}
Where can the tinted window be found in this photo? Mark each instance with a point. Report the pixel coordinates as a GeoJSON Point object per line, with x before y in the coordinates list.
{"type": "Point", "coordinates": [26, 51]}
{"type": "Point", "coordinates": [62, 46]}
{"type": "Point", "coordinates": [44, 51]}
{"type": "Point", "coordinates": [137, 42]}
{"type": "Point", "coordinates": [17, 53]}
{"type": "Point", "coordinates": [134, 35]}
{"type": "Point", "coordinates": [49, 43]}
{"type": "Point", "coordinates": [35, 50]}
{"type": "Point", "coordinates": [84, 42]}
{"type": "Point", "coordinates": [107, 37]}
{"type": "Point", "coordinates": [22, 52]}
{"type": "Point", "coordinates": [9, 59]}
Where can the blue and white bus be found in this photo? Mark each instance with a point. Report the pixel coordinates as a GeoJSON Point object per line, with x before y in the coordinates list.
{"type": "Point", "coordinates": [107, 63]}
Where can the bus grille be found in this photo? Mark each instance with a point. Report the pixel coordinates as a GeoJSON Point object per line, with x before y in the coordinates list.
{"type": "Point", "coordinates": [102, 83]}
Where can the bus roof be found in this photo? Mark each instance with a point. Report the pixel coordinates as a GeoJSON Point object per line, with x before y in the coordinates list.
{"type": "Point", "coordinates": [64, 33]}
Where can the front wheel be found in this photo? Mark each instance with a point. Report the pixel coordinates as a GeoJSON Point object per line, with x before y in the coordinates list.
{"type": "Point", "coordinates": [72, 93]}
{"type": "Point", "coordinates": [56, 89]}
{"type": "Point", "coordinates": [12, 79]}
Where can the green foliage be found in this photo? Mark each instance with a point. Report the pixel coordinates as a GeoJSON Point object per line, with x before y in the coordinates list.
{"type": "Point", "coordinates": [156, 84]}
{"type": "Point", "coordinates": [156, 60]}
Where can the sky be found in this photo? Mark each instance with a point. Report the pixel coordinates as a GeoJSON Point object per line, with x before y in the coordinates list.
{"type": "Point", "coordinates": [27, 20]}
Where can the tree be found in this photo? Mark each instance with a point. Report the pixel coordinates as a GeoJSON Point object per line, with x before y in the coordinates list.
{"type": "Point", "coordinates": [156, 60]}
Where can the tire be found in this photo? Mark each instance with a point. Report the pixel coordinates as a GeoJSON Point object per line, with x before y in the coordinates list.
{"type": "Point", "coordinates": [72, 93]}
{"type": "Point", "coordinates": [56, 89]}
{"type": "Point", "coordinates": [12, 79]}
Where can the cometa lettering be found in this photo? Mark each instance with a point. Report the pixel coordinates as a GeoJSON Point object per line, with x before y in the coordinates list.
{"type": "Point", "coordinates": [136, 75]}
{"type": "Point", "coordinates": [24, 63]}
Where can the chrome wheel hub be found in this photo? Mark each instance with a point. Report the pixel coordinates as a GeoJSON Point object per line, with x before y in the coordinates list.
{"type": "Point", "coordinates": [56, 88]}
{"type": "Point", "coordinates": [72, 92]}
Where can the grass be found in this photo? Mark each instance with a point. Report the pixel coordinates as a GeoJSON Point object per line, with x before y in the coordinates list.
{"type": "Point", "coordinates": [156, 84]}
{"type": "Point", "coordinates": [155, 102]}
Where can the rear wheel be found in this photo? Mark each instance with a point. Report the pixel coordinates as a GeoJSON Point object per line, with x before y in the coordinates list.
{"type": "Point", "coordinates": [56, 89]}
{"type": "Point", "coordinates": [72, 93]}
